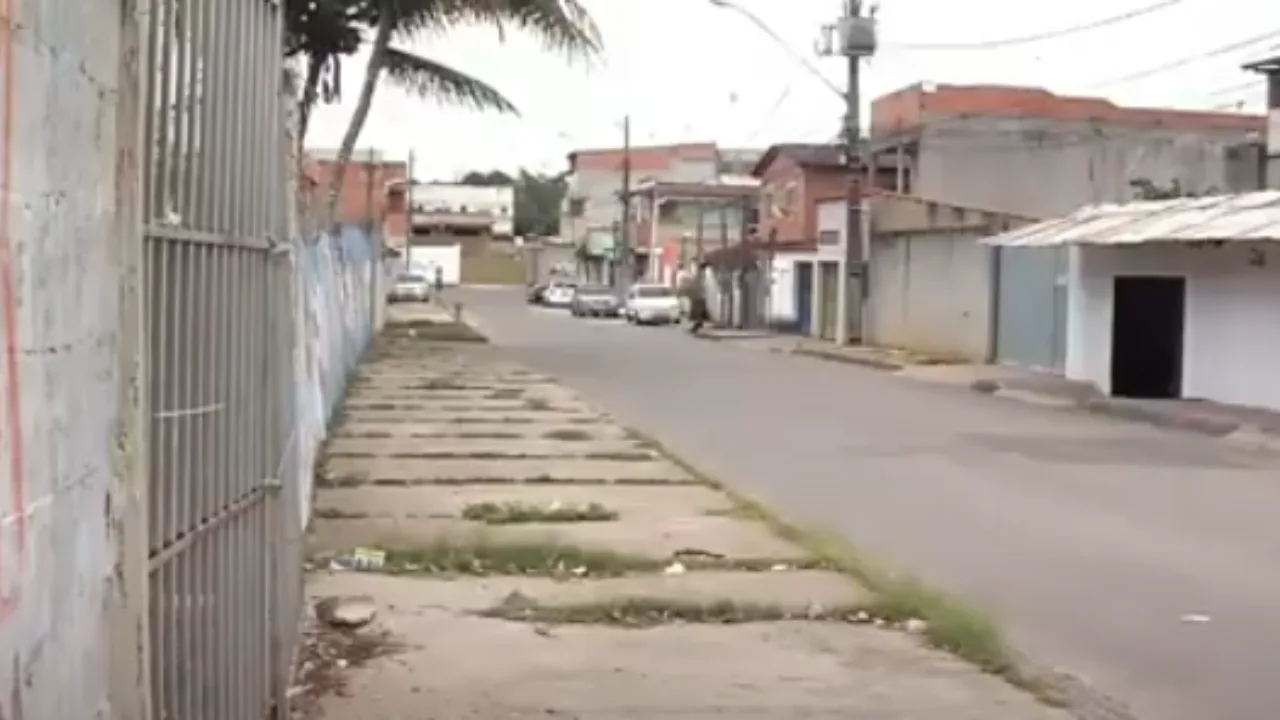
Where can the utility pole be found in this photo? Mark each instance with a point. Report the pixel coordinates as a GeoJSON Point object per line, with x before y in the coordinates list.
{"type": "Point", "coordinates": [623, 249]}
{"type": "Point", "coordinates": [853, 36]}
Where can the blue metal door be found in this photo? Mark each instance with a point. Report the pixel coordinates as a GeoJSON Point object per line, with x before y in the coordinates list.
{"type": "Point", "coordinates": [804, 297]}
{"type": "Point", "coordinates": [1031, 315]}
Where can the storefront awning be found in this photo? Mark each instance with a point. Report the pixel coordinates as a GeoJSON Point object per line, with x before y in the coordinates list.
{"type": "Point", "coordinates": [1249, 217]}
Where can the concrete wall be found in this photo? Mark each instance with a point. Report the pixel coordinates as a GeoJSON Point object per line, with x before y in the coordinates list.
{"type": "Point", "coordinates": [61, 332]}
{"type": "Point", "coordinates": [541, 260]}
{"type": "Point", "coordinates": [1230, 345]}
{"type": "Point", "coordinates": [1045, 168]}
{"type": "Point", "coordinates": [931, 293]}
{"type": "Point", "coordinates": [931, 283]}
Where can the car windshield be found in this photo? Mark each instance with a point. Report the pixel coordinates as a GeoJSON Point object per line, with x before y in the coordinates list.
{"type": "Point", "coordinates": [411, 278]}
{"type": "Point", "coordinates": [655, 292]}
{"type": "Point", "coordinates": [595, 291]}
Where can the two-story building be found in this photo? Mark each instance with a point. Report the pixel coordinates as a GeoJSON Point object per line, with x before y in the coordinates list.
{"type": "Point", "coordinates": [461, 209]}
{"type": "Point", "coordinates": [592, 210]}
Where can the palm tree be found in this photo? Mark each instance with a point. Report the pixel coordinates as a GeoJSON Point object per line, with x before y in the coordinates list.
{"type": "Point", "coordinates": [326, 30]}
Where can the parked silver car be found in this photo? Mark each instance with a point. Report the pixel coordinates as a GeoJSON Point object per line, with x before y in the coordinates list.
{"type": "Point", "coordinates": [410, 287]}
{"type": "Point", "coordinates": [595, 301]}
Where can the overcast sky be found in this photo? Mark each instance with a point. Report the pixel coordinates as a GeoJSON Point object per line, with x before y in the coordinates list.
{"type": "Point", "coordinates": [687, 71]}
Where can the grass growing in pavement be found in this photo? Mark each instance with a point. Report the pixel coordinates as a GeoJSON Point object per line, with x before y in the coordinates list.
{"type": "Point", "coordinates": [951, 624]}
{"type": "Point", "coordinates": [568, 435]}
{"type": "Point", "coordinates": [487, 557]}
{"type": "Point", "coordinates": [511, 513]}
{"type": "Point", "coordinates": [651, 612]}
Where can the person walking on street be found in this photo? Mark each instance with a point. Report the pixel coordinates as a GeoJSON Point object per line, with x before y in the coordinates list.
{"type": "Point", "coordinates": [696, 294]}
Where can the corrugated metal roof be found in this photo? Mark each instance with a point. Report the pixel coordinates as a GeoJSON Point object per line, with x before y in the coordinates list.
{"type": "Point", "coordinates": [1248, 217]}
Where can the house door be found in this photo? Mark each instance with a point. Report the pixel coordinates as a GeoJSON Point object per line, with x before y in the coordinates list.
{"type": "Point", "coordinates": [804, 297]}
{"type": "Point", "coordinates": [1147, 323]}
{"type": "Point", "coordinates": [829, 289]}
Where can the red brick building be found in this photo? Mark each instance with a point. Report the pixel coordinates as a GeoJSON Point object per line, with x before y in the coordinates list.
{"type": "Point", "coordinates": [372, 192]}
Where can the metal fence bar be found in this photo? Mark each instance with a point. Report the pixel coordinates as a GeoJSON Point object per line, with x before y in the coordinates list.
{"type": "Point", "coordinates": [216, 298]}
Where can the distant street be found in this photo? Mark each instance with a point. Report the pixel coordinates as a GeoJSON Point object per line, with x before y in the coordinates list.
{"type": "Point", "coordinates": [1101, 546]}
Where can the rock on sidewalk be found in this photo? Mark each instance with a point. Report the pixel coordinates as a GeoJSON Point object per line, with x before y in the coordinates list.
{"type": "Point", "coordinates": [346, 612]}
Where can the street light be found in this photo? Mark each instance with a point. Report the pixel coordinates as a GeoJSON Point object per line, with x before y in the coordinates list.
{"type": "Point", "coordinates": [764, 27]}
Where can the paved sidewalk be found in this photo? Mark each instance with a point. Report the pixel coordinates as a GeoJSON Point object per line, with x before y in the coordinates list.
{"type": "Point", "coordinates": [523, 556]}
{"type": "Point", "coordinates": [1245, 426]}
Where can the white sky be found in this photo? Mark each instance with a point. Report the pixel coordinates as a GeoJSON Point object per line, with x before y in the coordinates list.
{"type": "Point", "coordinates": [687, 71]}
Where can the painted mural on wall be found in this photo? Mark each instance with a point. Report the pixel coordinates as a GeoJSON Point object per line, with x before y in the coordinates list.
{"type": "Point", "coordinates": [335, 324]}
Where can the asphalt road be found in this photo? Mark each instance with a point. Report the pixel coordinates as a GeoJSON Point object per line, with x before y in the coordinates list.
{"type": "Point", "coordinates": [1146, 562]}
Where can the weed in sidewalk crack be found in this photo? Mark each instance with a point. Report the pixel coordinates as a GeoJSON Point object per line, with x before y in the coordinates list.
{"type": "Point", "coordinates": [641, 612]}
{"type": "Point", "coordinates": [621, 456]}
{"type": "Point", "coordinates": [568, 435]}
{"type": "Point", "coordinates": [510, 513]}
{"type": "Point", "coordinates": [515, 558]}
{"type": "Point", "coordinates": [486, 436]}
{"type": "Point", "coordinates": [332, 513]}
{"type": "Point", "coordinates": [502, 420]}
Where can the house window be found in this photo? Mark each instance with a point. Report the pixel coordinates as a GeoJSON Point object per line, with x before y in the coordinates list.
{"type": "Point", "coordinates": [462, 208]}
{"type": "Point", "coordinates": [668, 211]}
{"type": "Point", "coordinates": [577, 206]}
{"type": "Point", "coordinates": [829, 237]}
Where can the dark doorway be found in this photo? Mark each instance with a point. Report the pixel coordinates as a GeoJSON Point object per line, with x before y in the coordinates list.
{"type": "Point", "coordinates": [1146, 337]}
{"type": "Point", "coordinates": [804, 297]}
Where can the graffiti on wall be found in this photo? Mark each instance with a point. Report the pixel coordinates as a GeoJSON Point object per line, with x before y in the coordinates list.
{"type": "Point", "coordinates": [13, 509]}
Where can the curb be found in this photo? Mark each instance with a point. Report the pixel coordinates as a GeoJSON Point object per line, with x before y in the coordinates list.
{"type": "Point", "coordinates": [1234, 431]}
{"type": "Point", "coordinates": [867, 362]}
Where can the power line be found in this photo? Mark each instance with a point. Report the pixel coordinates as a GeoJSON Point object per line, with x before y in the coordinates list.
{"type": "Point", "coordinates": [1046, 35]}
{"type": "Point", "coordinates": [768, 114]}
{"type": "Point", "coordinates": [1183, 62]}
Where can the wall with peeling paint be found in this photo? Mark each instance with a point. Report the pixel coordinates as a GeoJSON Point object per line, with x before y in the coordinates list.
{"type": "Point", "coordinates": [59, 276]}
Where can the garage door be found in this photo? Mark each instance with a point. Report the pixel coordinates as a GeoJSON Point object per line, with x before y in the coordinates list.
{"type": "Point", "coordinates": [1031, 319]}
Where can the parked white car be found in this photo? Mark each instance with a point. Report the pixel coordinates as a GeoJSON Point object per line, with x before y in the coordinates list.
{"type": "Point", "coordinates": [558, 294]}
{"type": "Point", "coordinates": [652, 305]}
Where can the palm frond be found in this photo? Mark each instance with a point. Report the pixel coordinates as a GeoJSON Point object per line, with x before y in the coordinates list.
{"type": "Point", "coordinates": [562, 26]}
{"type": "Point", "coordinates": [430, 79]}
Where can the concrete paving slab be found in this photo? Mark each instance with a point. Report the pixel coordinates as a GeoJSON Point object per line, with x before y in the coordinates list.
{"type": "Point", "coordinates": [529, 446]}
{"type": "Point", "coordinates": [702, 537]}
{"type": "Point", "coordinates": [423, 471]}
{"type": "Point", "coordinates": [630, 501]}
{"type": "Point", "coordinates": [491, 430]}
{"type": "Point", "coordinates": [791, 589]}
{"type": "Point", "coordinates": [466, 668]}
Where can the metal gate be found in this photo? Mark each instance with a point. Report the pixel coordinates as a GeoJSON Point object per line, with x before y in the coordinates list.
{"type": "Point", "coordinates": [218, 297]}
{"type": "Point", "coordinates": [1031, 314]}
